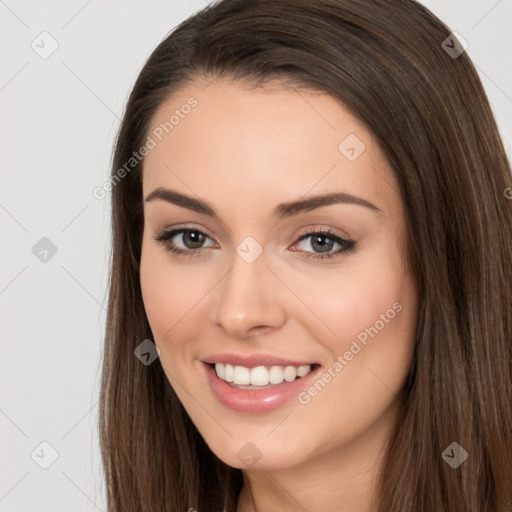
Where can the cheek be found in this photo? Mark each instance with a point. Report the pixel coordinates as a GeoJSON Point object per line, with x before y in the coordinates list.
{"type": "Point", "coordinates": [373, 314]}
{"type": "Point", "coordinates": [168, 291]}
{"type": "Point", "coordinates": [368, 310]}
{"type": "Point", "coordinates": [375, 320]}
{"type": "Point", "coordinates": [155, 285]}
{"type": "Point", "coordinates": [345, 300]}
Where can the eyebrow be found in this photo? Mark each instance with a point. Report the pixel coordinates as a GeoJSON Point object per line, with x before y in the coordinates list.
{"type": "Point", "coordinates": [281, 211]}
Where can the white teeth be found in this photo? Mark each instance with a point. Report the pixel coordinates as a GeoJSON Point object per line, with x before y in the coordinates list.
{"type": "Point", "coordinates": [242, 375]}
{"type": "Point", "coordinates": [303, 370]}
{"type": "Point", "coordinates": [290, 372]}
{"type": "Point", "coordinates": [221, 370]}
{"type": "Point", "coordinates": [275, 375]}
{"type": "Point", "coordinates": [228, 369]}
{"type": "Point", "coordinates": [260, 375]}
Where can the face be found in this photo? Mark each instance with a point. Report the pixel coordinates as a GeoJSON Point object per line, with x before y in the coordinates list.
{"type": "Point", "coordinates": [305, 304]}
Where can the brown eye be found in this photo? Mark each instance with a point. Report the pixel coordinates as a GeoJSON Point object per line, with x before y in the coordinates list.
{"type": "Point", "coordinates": [195, 238]}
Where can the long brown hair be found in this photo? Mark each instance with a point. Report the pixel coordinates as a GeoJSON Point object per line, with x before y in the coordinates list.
{"type": "Point", "coordinates": [388, 62]}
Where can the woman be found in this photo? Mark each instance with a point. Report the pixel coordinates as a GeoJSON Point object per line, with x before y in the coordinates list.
{"type": "Point", "coordinates": [310, 285]}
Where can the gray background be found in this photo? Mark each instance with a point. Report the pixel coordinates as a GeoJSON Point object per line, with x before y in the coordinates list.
{"type": "Point", "coordinates": [59, 118]}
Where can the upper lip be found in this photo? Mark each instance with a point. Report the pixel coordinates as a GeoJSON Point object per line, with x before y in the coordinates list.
{"type": "Point", "coordinates": [253, 360]}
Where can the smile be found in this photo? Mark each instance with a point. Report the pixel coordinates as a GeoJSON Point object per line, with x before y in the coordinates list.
{"type": "Point", "coordinates": [259, 376]}
{"type": "Point", "coordinates": [257, 384]}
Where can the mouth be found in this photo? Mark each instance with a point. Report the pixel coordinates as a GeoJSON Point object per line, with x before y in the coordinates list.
{"type": "Point", "coordinates": [258, 389]}
{"type": "Point", "coordinates": [260, 377]}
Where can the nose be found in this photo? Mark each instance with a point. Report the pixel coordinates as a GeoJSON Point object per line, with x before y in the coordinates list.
{"type": "Point", "coordinates": [249, 300]}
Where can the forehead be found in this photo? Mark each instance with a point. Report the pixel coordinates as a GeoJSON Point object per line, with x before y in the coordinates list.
{"type": "Point", "coordinates": [255, 144]}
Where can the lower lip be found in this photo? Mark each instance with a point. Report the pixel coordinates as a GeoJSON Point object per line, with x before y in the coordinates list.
{"type": "Point", "coordinates": [257, 400]}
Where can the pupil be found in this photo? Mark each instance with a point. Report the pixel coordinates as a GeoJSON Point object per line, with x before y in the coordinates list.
{"type": "Point", "coordinates": [323, 247]}
{"type": "Point", "coordinates": [195, 237]}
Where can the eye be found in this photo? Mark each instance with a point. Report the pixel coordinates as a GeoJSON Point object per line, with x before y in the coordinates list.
{"type": "Point", "coordinates": [324, 241]}
{"type": "Point", "coordinates": [192, 240]}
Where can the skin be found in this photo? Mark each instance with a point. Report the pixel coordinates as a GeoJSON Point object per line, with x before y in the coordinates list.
{"type": "Point", "coordinates": [244, 151]}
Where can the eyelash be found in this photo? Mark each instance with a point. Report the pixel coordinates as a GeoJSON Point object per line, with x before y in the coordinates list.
{"type": "Point", "coordinates": [346, 245]}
